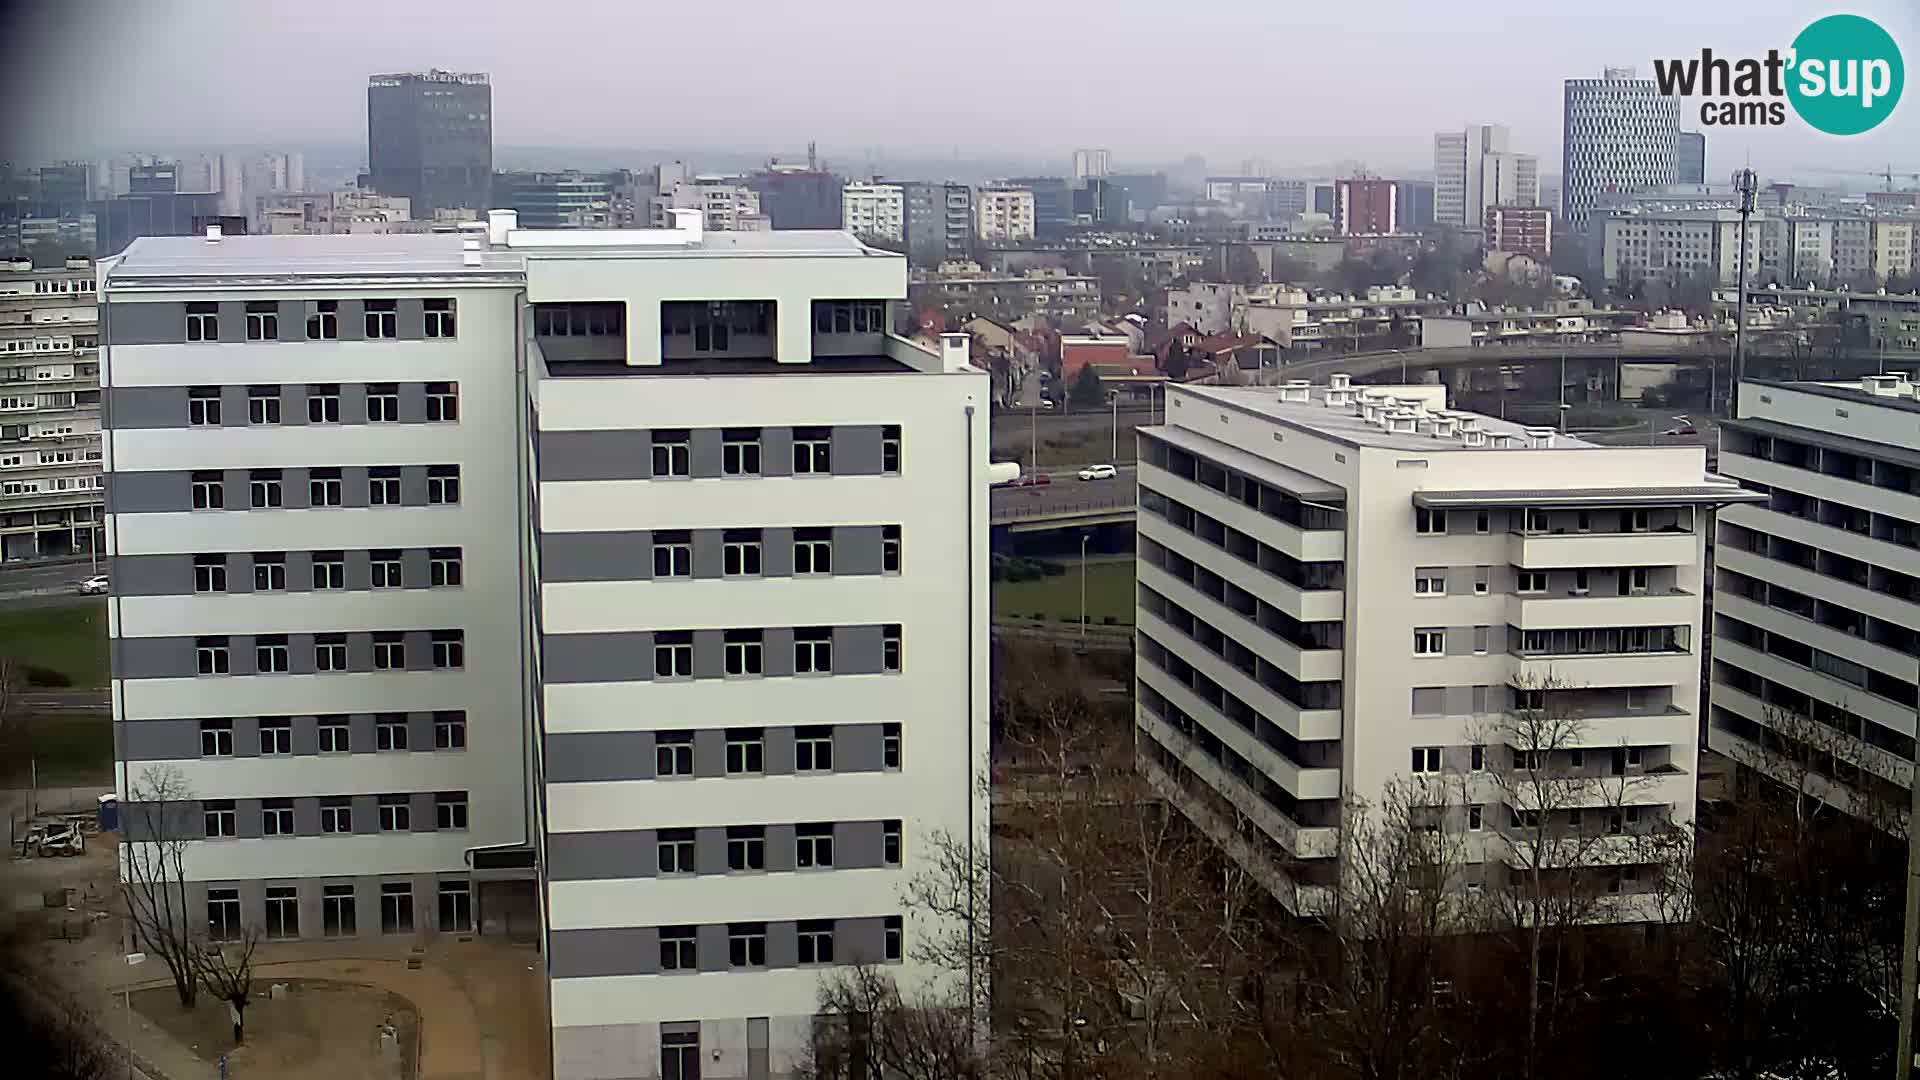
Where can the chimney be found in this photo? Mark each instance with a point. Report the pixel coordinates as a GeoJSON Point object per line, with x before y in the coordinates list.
{"type": "Point", "coordinates": [690, 222]}
{"type": "Point", "coordinates": [955, 352]}
{"type": "Point", "coordinates": [499, 224]}
{"type": "Point", "coordinates": [213, 234]}
{"type": "Point", "coordinates": [470, 251]}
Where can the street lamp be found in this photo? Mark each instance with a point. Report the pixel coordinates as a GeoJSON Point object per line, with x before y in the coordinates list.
{"type": "Point", "coordinates": [1084, 537]}
{"type": "Point", "coordinates": [134, 960]}
{"type": "Point", "coordinates": [1115, 397]}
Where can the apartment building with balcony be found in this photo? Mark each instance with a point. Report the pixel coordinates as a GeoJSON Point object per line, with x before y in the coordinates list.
{"type": "Point", "coordinates": [623, 587]}
{"type": "Point", "coordinates": [50, 502]}
{"type": "Point", "coordinates": [1345, 587]}
{"type": "Point", "coordinates": [1816, 600]}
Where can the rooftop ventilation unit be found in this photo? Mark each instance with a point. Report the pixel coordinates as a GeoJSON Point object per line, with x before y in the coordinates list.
{"type": "Point", "coordinates": [1500, 440]}
{"type": "Point", "coordinates": [1540, 438]}
{"type": "Point", "coordinates": [1339, 380]}
{"type": "Point", "coordinates": [1473, 438]}
{"type": "Point", "coordinates": [1884, 385]}
{"type": "Point", "coordinates": [1296, 390]}
{"type": "Point", "coordinates": [1401, 423]}
{"type": "Point", "coordinates": [1443, 427]}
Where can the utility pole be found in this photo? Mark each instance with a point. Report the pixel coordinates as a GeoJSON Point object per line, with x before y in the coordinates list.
{"type": "Point", "coordinates": [1116, 428]}
{"type": "Point", "coordinates": [1746, 183]}
{"type": "Point", "coordinates": [1910, 937]}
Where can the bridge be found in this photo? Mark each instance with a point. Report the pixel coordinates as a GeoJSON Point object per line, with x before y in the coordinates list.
{"type": "Point", "coordinates": [1065, 503]}
{"type": "Point", "coordinates": [1363, 365]}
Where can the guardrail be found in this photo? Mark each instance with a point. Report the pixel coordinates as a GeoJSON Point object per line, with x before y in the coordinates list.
{"type": "Point", "coordinates": [1051, 509]}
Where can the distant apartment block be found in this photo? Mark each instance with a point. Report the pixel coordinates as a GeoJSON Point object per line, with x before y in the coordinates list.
{"type": "Point", "coordinates": [875, 210]}
{"type": "Point", "coordinates": [727, 203]}
{"type": "Point", "coordinates": [939, 223]}
{"type": "Point", "coordinates": [50, 458]}
{"type": "Point", "coordinates": [1004, 215]}
{"type": "Point", "coordinates": [967, 290]}
{"type": "Point", "coordinates": [1619, 134]}
{"type": "Point", "coordinates": [556, 200]}
{"type": "Point", "coordinates": [1690, 160]}
{"type": "Point", "coordinates": [1091, 163]}
{"type": "Point", "coordinates": [1366, 207]}
{"type": "Point", "coordinates": [430, 139]}
{"type": "Point", "coordinates": [798, 196]}
{"type": "Point", "coordinates": [1475, 169]}
{"type": "Point", "coordinates": [1520, 230]}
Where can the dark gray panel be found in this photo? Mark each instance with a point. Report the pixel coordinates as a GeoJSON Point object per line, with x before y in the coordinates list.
{"type": "Point", "coordinates": [246, 819]}
{"type": "Point", "coordinates": [858, 845]}
{"type": "Point", "coordinates": [359, 649]}
{"type": "Point", "coordinates": [783, 945]}
{"type": "Point", "coordinates": [242, 654]}
{"type": "Point", "coordinates": [306, 817]}
{"type": "Point", "coordinates": [366, 808]}
{"type": "Point", "coordinates": [586, 756]}
{"type": "Point", "coordinates": [413, 485]}
{"type": "Point", "coordinates": [780, 849]}
{"type": "Point", "coordinates": [151, 575]}
{"type": "Point", "coordinates": [300, 657]}
{"type": "Point", "coordinates": [856, 650]}
{"type": "Point", "coordinates": [776, 552]}
{"type": "Point", "coordinates": [1459, 641]}
{"type": "Point", "coordinates": [423, 815]}
{"type": "Point", "coordinates": [147, 406]}
{"type": "Point", "coordinates": [146, 821]}
{"type": "Point", "coordinates": [233, 400]}
{"type": "Point", "coordinates": [152, 492]}
{"type": "Point", "coordinates": [354, 488]}
{"type": "Point", "coordinates": [359, 570]}
{"type": "Point", "coordinates": [1429, 700]}
{"type": "Point", "coordinates": [600, 556]}
{"type": "Point", "coordinates": [779, 754]}
{"type": "Point", "coordinates": [155, 657]}
{"type": "Point", "coordinates": [856, 549]}
{"type": "Point", "coordinates": [414, 571]}
{"type": "Point", "coordinates": [710, 553]}
{"type": "Point", "coordinates": [413, 398]}
{"type": "Point", "coordinates": [306, 729]}
{"type": "Point", "coordinates": [776, 451]}
{"type": "Point", "coordinates": [703, 453]}
{"type": "Point", "coordinates": [420, 729]}
{"type": "Point", "coordinates": [294, 494]}
{"type": "Point", "coordinates": [709, 753]}
{"type": "Point", "coordinates": [779, 650]}
{"type": "Point", "coordinates": [360, 731]}
{"type": "Point", "coordinates": [419, 651]}
{"type": "Point", "coordinates": [239, 497]}
{"type": "Point", "coordinates": [293, 401]}
{"type": "Point", "coordinates": [621, 950]}
{"type": "Point", "coordinates": [240, 573]}
{"type": "Point", "coordinates": [353, 321]}
{"type": "Point", "coordinates": [411, 321]}
{"type": "Point", "coordinates": [856, 451]}
{"type": "Point", "coordinates": [299, 571]}
{"type": "Point", "coordinates": [353, 396]}
{"type": "Point", "coordinates": [159, 740]}
{"type": "Point", "coordinates": [856, 747]}
{"type": "Point", "coordinates": [712, 947]}
{"type": "Point", "coordinates": [709, 654]}
{"type": "Point", "coordinates": [233, 321]}
{"type": "Point", "coordinates": [1457, 700]}
{"type": "Point", "coordinates": [710, 850]}
{"type": "Point", "coordinates": [859, 941]}
{"type": "Point", "coordinates": [246, 736]}
{"type": "Point", "coordinates": [596, 455]}
{"type": "Point", "coordinates": [293, 321]}
{"type": "Point", "coordinates": [582, 658]}
{"type": "Point", "coordinates": [600, 856]}
{"type": "Point", "coordinates": [144, 324]}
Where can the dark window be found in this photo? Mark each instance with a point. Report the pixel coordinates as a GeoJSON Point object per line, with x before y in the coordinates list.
{"type": "Point", "coordinates": [216, 738]}
{"type": "Point", "coordinates": [325, 487]}
{"type": "Point", "coordinates": [270, 654]}
{"type": "Point", "coordinates": [747, 945]}
{"type": "Point", "coordinates": [443, 402]}
{"type": "Point", "coordinates": [813, 551]}
{"type": "Point", "coordinates": [890, 449]}
{"type": "Point", "coordinates": [816, 941]}
{"type": "Point", "coordinates": [439, 318]}
{"type": "Point", "coordinates": [740, 553]}
{"type": "Point", "coordinates": [263, 320]}
{"type": "Point", "coordinates": [203, 322]}
{"type": "Point", "coordinates": [383, 403]}
{"type": "Point", "coordinates": [746, 751]}
{"type": "Point", "coordinates": [890, 746]}
{"type": "Point", "coordinates": [674, 851]}
{"type": "Point", "coordinates": [209, 491]}
{"type": "Point", "coordinates": [263, 404]}
{"type": "Point", "coordinates": [812, 450]}
{"type": "Point", "coordinates": [743, 652]}
{"type": "Point", "coordinates": [263, 489]}
{"type": "Point", "coordinates": [383, 318]}
{"type": "Point", "coordinates": [813, 651]}
{"type": "Point", "coordinates": [813, 847]}
{"type": "Point", "coordinates": [203, 406]}
{"type": "Point", "coordinates": [449, 649]}
{"type": "Point", "coordinates": [450, 730]}
{"type": "Point", "coordinates": [443, 567]}
{"type": "Point", "coordinates": [671, 453]}
{"type": "Point", "coordinates": [209, 573]}
{"type": "Point", "coordinates": [677, 949]}
{"type": "Point", "coordinates": [813, 749]}
{"type": "Point", "coordinates": [323, 403]}
{"type": "Point", "coordinates": [443, 484]}
{"type": "Point", "coordinates": [383, 485]}
{"type": "Point", "coordinates": [329, 570]}
{"type": "Point", "coordinates": [746, 847]}
{"type": "Point", "coordinates": [323, 323]}
{"type": "Point", "coordinates": [672, 554]}
{"type": "Point", "coordinates": [891, 654]}
{"type": "Point", "coordinates": [673, 753]}
{"type": "Point", "coordinates": [673, 654]}
{"type": "Point", "coordinates": [269, 571]}
{"type": "Point", "coordinates": [891, 842]}
{"type": "Point", "coordinates": [890, 549]}
{"type": "Point", "coordinates": [390, 731]}
{"type": "Point", "coordinates": [740, 452]}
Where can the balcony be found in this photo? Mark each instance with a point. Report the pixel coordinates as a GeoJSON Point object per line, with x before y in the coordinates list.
{"type": "Point", "coordinates": [1306, 605]}
{"type": "Point", "coordinates": [1304, 900]}
{"type": "Point", "coordinates": [1306, 545]}
{"type": "Point", "coordinates": [1307, 665]}
{"type": "Point", "coordinates": [1567, 611]}
{"type": "Point", "coordinates": [1547, 551]}
{"type": "Point", "coordinates": [1609, 669]}
{"type": "Point", "coordinates": [1305, 842]}
{"type": "Point", "coordinates": [1299, 781]}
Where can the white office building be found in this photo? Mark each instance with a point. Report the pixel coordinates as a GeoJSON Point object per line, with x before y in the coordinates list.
{"type": "Point", "coordinates": [1474, 169]}
{"type": "Point", "coordinates": [1816, 598]}
{"type": "Point", "coordinates": [1346, 586]}
{"type": "Point", "coordinates": [1619, 134]}
{"type": "Point", "coordinates": [49, 411]}
{"type": "Point", "coordinates": [876, 210]}
{"type": "Point", "coordinates": [1091, 163]}
{"type": "Point", "coordinates": [1003, 215]}
{"type": "Point", "coordinates": [624, 588]}
{"type": "Point", "coordinates": [727, 203]}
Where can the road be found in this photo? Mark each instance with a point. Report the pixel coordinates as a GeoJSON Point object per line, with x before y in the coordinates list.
{"type": "Point", "coordinates": [1064, 494]}
{"type": "Point", "coordinates": [28, 580]}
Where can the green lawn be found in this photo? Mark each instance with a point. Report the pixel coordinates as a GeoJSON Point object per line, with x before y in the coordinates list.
{"type": "Point", "coordinates": [71, 639]}
{"type": "Point", "coordinates": [1109, 594]}
{"type": "Point", "coordinates": [70, 748]}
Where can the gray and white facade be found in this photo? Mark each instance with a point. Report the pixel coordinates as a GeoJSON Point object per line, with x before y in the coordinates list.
{"type": "Point", "coordinates": [1620, 134]}
{"type": "Point", "coordinates": [683, 543]}
{"type": "Point", "coordinates": [50, 504]}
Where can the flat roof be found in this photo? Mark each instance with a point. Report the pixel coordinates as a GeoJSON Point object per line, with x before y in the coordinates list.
{"type": "Point", "coordinates": [819, 365]}
{"type": "Point", "coordinates": [1577, 497]}
{"type": "Point", "coordinates": [1292, 481]}
{"type": "Point", "coordinates": [1343, 425]}
{"type": "Point", "coordinates": [1843, 392]}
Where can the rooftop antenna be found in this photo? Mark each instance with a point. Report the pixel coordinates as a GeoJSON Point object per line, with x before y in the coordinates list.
{"type": "Point", "coordinates": [813, 159]}
{"type": "Point", "coordinates": [1745, 182]}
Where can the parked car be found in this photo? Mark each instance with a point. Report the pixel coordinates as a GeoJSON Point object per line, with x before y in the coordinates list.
{"type": "Point", "coordinates": [94, 585]}
{"type": "Point", "coordinates": [1684, 429]}
{"type": "Point", "coordinates": [1099, 472]}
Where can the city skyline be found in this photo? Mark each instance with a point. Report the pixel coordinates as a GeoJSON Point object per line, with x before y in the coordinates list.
{"type": "Point", "coordinates": [597, 98]}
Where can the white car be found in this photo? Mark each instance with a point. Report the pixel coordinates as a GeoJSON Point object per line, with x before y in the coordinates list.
{"type": "Point", "coordinates": [93, 585]}
{"type": "Point", "coordinates": [1099, 472]}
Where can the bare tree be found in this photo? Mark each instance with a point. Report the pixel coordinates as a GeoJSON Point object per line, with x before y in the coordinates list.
{"type": "Point", "coordinates": [157, 814]}
{"type": "Point", "coordinates": [226, 969]}
{"type": "Point", "coordinates": [866, 1029]}
{"type": "Point", "coordinates": [1828, 768]}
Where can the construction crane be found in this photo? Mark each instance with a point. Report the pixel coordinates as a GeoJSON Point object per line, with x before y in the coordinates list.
{"type": "Point", "coordinates": [1888, 174]}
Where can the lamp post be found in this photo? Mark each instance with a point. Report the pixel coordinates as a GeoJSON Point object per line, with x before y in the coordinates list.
{"type": "Point", "coordinates": [1084, 537]}
{"type": "Point", "coordinates": [1116, 427]}
{"type": "Point", "coordinates": [134, 959]}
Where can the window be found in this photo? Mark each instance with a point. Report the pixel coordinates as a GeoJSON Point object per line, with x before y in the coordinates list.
{"type": "Point", "coordinates": [890, 450]}
{"type": "Point", "coordinates": [1475, 818]}
{"type": "Point", "coordinates": [890, 549]}
{"type": "Point", "coordinates": [813, 551]}
{"type": "Point", "coordinates": [1479, 755]}
{"type": "Point", "coordinates": [746, 751]}
{"type": "Point", "coordinates": [671, 453]}
{"type": "Point", "coordinates": [450, 730]}
{"type": "Point", "coordinates": [813, 749]}
{"type": "Point", "coordinates": [324, 487]}
{"type": "Point", "coordinates": [209, 573]}
{"type": "Point", "coordinates": [1635, 580]}
{"type": "Point", "coordinates": [443, 485]}
{"type": "Point", "coordinates": [816, 941]}
{"type": "Point", "coordinates": [743, 652]}
{"type": "Point", "coordinates": [323, 322]}
{"type": "Point", "coordinates": [335, 736]}
{"type": "Point", "coordinates": [383, 403]}
{"type": "Point", "coordinates": [1482, 636]}
{"type": "Point", "coordinates": [218, 817]}
{"type": "Point", "coordinates": [443, 402]}
{"type": "Point", "coordinates": [209, 493]}
{"type": "Point", "coordinates": [747, 945]}
{"type": "Point", "coordinates": [1531, 581]}
{"type": "Point", "coordinates": [1429, 522]}
{"type": "Point", "coordinates": [673, 654]}
{"type": "Point", "coordinates": [813, 651]}
{"type": "Point", "coordinates": [276, 817]}
{"type": "Point", "coordinates": [677, 953]}
{"type": "Point", "coordinates": [203, 322]}
{"type": "Point", "coordinates": [396, 813]}
{"type": "Point", "coordinates": [680, 1054]}
{"type": "Point", "coordinates": [390, 731]}
{"type": "Point", "coordinates": [269, 571]}
{"type": "Point", "coordinates": [746, 848]}
{"type": "Point", "coordinates": [223, 914]}
{"type": "Point", "coordinates": [443, 567]}
{"type": "Point", "coordinates": [276, 735]}
{"type": "Point", "coordinates": [1482, 580]}
{"type": "Point", "coordinates": [740, 553]}
{"type": "Point", "coordinates": [449, 649]}
{"type": "Point", "coordinates": [383, 485]}
{"type": "Point", "coordinates": [1481, 522]}
{"type": "Point", "coordinates": [813, 847]}
{"type": "Point", "coordinates": [450, 809]}
{"type": "Point", "coordinates": [674, 851]}
{"type": "Point", "coordinates": [389, 651]}
{"type": "Point", "coordinates": [1580, 583]}
{"type": "Point", "coordinates": [1639, 697]}
{"type": "Point", "coordinates": [1429, 583]}
{"type": "Point", "coordinates": [263, 489]}
{"type": "Point", "coordinates": [383, 319]}
{"type": "Point", "coordinates": [893, 938]}
{"type": "Point", "coordinates": [1535, 521]}
{"type": "Point", "coordinates": [383, 568]}
{"type": "Point", "coordinates": [323, 403]}
{"type": "Point", "coordinates": [216, 738]}
{"type": "Point", "coordinates": [337, 911]}
{"type": "Point", "coordinates": [672, 554]}
{"type": "Point", "coordinates": [263, 405]}
{"type": "Point", "coordinates": [329, 570]}
{"type": "Point", "coordinates": [1426, 759]}
{"type": "Point", "coordinates": [396, 907]}
{"type": "Point", "coordinates": [210, 656]}
{"type": "Point", "coordinates": [740, 451]}
{"type": "Point", "coordinates": [1638, 521]}
{"type": "Point", "coordinates": [849, 317]}
{"type": "Point", "coordinates": [812, 450]}
{"type": "Point", "coordinates": [1430, 641]}
{"type": "Point", "coordinates": [890, 746]}
{"type": "Point", "coordinates": [1529, 760]}
{"type": "Point", "coordinates": [439, 317]}
{"type": "Point", "coordinates": [890, 651]}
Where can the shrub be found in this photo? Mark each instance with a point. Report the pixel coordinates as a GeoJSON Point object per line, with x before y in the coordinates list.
{"type": "Point", "coordinates": [44, 677]}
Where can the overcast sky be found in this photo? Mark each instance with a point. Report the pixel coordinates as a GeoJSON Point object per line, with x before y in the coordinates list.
{"type": "Point", "coordinates": [1294, 83]}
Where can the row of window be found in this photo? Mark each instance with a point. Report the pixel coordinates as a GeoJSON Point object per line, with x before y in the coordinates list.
{"type": "Point", "coordinates": [339, 910]}
{"type": "Point", "coordinates": [325, 487]}
{"type": "Point", "coordinates": [744, 652]}
{"type": "Point", "coordinates": [675, 853]}
{"type": "Point", "coordinates": [272, 654]}
{"type": "Point", "coordinates": [741, 551]}
{"type": "Point", "coordinates": [1429, 760]}
{"type": "Point", "coordinates": [1432, 641]}
{"type": "Point", "coordinates": [385, 566]}
{"type": "Point", "coordinates": [335, 734]}
{"type": "Point", "coordinates": [49, 399]}
{"type": "Point", "coordinates": [747, 946]}
{"type": "Point", "coordinates": [75, 456]}
{"type": "Point", "coordinates": [1535, 521]}
{"type": "Point", "coordinates": [52, 483]}
{"type": "Point", "coordinates": [740, 451]}
{"type": "Point", "coordinates": [264, 404]}
{"type": "Point", "coordinates": [1432, 580]}
{"type": "Point", "coordinates": [380, 319]}
{"type": "Point", "coordinates": [220, 818]}
{"type": "Point", "coordinates": [747, 751]}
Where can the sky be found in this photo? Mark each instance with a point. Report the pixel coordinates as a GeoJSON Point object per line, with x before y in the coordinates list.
{"type": "Point", "coordinates": [1295, 84]}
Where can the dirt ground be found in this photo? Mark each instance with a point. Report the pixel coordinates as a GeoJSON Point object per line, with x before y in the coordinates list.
{"type": "Point", "coordinates": [319, 1030]}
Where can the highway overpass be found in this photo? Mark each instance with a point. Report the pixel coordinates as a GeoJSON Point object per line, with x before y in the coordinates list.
{"type": "Point", "coordinates": [1065, 503]}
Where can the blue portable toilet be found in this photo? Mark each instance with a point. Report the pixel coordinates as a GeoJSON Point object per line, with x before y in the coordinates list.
{"type": "Point", "coordinates": [109, 812]}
